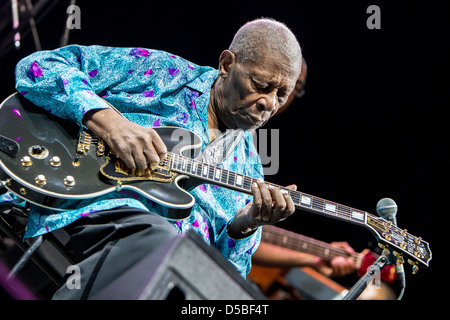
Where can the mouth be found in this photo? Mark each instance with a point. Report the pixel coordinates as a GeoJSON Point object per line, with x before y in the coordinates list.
{"type": "Point", "coordinates": [258, 122]}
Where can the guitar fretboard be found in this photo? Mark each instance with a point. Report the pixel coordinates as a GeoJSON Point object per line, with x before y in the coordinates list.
{"type": "Point", "coordinates": [298, 242]}
{"type": "Point", "coordinates": [385, 230]}
{"type": "Point", "coordinates": [219, 176]}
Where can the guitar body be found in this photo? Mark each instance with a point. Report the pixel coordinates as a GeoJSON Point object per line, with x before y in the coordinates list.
{"type": "Point", "coordinates": [30, 133]}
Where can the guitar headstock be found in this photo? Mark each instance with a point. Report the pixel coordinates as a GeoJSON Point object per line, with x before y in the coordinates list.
{"type": "Point", "coordinates": [414, 248]}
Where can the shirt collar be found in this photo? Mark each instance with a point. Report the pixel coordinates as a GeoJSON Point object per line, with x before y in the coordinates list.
{"type": "Point", "coordinates": [204, 82]}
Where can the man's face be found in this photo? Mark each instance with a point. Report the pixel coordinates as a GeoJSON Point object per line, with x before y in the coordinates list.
{"type": "Point", "coordinates": [253, 92]}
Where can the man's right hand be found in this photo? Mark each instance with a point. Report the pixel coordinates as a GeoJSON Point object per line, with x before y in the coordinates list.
{"type": "Point", "coordinates": [138, 147]}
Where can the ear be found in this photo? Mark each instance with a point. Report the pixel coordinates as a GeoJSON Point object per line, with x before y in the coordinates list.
{"type": "Point", "coordinates": [226, 62]}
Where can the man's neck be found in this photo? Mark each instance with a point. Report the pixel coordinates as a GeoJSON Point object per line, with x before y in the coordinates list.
{"type": "Point", "coordinates": [215, 126]}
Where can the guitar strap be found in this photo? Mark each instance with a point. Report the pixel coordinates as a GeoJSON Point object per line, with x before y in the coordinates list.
{"type": "Point", "coordinates": [9, 146]}
{"type": "Point", "coordinates": [218, 150]}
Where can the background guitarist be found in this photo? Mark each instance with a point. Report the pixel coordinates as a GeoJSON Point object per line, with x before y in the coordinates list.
{"type": "Point", "coordinates": [280, 250]}
{"type": "Point", "coordinates": [152, 88]}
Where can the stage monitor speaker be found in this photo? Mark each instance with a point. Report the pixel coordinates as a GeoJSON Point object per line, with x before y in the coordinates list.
{"type": "Point", "coordinates": [314, 287]}
{"type": "Point", "coordinates": [185, 268]}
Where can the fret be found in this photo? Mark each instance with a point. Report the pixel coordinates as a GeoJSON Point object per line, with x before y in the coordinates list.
{"type": "Point", "coordinates": [189, 165]}
{"type": "Point", "coordinates": [317, 204]}
{"type": "Point", "coordinates": [179, 162]}
{"type": "Point", "coordinates": [231, 178]}
{"type": "Point", "coordinates": [199, 169]}
{"type": "Point", "coordinates": [175, 161]}
{"type": "Point", "coordinates": [344, 211]}
{"type": "Point", "coordinates": [224, 177]}
{"type": "Point", "coordinates": [210, 172]}
{"type": "Point", "coordinates": [248, 183]}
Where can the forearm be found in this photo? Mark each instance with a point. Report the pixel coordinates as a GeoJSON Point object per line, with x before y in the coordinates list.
{"type": "Point", "coordinates": [269, 255]}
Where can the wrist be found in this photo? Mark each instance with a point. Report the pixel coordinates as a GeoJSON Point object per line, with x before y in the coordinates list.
{"type": "Point", "coordinates": [237, 231]}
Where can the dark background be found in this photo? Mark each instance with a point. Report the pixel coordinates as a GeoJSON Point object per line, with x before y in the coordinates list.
{"type": "Point", "coordinates": [371, 125]}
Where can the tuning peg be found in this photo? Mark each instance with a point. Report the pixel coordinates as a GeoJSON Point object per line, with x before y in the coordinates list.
{"type": "Point", "coordinates": [400, 259]}
{"type": "Point", "coordinates": [415, 268]}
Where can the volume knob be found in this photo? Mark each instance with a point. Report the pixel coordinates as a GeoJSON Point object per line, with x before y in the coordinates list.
{"type": "Point", "coordinates": [26, 161]}
{"type": "Point", "coordinates": [55, 161]}
{"type": "Point", "coordinates": [40, 180]}
{"type": "Point", "coordinates": [69, 181]}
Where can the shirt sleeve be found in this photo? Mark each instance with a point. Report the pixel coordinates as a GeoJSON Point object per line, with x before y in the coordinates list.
{"type": "Point", "coordinates": [240, 251]}
{"type": "Point", "coordinates": [64, 81]}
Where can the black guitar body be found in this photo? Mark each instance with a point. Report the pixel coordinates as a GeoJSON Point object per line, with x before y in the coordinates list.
{"type": "Point", "coordinates": [31, 137]}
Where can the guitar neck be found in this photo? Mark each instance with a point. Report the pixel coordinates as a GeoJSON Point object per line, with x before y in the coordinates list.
{"type": "Point", "coordinates": [229, 179]}
{"type": "Point", "coordinates": [297, 242]}
{"type": "Point", "coordinates": [387, 233]}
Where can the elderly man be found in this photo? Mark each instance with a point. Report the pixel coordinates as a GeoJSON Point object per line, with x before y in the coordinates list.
{"type": "Point", "coordinates": [121, 94]}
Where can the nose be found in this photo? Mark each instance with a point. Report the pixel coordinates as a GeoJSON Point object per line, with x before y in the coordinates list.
{"type": "Point", "coordinates": [268, 102]}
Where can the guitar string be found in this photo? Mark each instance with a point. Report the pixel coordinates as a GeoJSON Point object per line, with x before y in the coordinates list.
{"type": "Point", "coordinates": [296, 242]}
{"type": "Point", "coordinates": [317, 203]}
{"type": "Point", "coordinates": [297, 196]}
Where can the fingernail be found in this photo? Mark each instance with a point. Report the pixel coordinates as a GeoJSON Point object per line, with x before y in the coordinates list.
{"type": "Point", "coordinates": [153, 166]}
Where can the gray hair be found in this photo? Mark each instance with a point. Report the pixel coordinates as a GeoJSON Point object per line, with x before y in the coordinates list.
{"type": "Point", "coordinates": [265, 36]}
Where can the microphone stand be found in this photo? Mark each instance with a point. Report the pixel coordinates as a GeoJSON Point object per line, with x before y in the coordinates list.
{"type": "Point", "coordinates": [362, 283]}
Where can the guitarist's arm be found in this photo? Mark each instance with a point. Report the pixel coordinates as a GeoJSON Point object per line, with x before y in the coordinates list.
{"type": "Point", "coordinates": [67, 82]}
{"type": "Point", "coordinates": [269, 255]}
{"type": "Point", "coordinates": [64, 81]}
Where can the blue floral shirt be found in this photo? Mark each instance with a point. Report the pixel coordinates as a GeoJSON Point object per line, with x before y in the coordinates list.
{"type": "Point", "coordinates": [151, 88]}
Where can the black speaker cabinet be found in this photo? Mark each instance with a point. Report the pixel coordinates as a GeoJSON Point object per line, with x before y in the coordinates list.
{"type": "Point", "coordinates": [311, 288]}
{"type": "Point", "coordinates": [185, 268]}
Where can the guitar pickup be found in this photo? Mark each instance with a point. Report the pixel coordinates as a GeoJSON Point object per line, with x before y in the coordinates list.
{"type": "Point", "coordinates": [9, 146]}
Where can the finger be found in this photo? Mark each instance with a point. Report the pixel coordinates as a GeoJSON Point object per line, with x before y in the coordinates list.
{"type": "Point", "coordinates": [344, 245]}
{"type": "Point", "coordinates": [140, 159]}
{"type": "Point", "coordinates": [128, 159]}
{"type": "Point", "coordinates": [266, 197]}
{"type": "Point", "coordinates": [279, 203]}
{"type": "Point", "coordinates": [257, 200]}
{"type": "Point", "coordinates": [152, 156]}
{"type": "Point", "coordinates": [159, 145]}
{"type": "Point", "coordinates": [290, 206]}
{"type": "Point", "coordinates": [339, 265]}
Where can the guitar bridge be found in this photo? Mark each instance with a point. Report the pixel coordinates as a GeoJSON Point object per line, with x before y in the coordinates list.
{"type": "Point", "coordinates": [114, 168]}
{"type": "Point", "coordinates": [85, 140]}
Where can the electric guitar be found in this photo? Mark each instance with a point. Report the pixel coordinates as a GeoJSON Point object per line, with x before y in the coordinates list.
{"type": "Point", "coordinates": [55, 163]}
{"type": "Point", "coordinates": [327, 252]}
